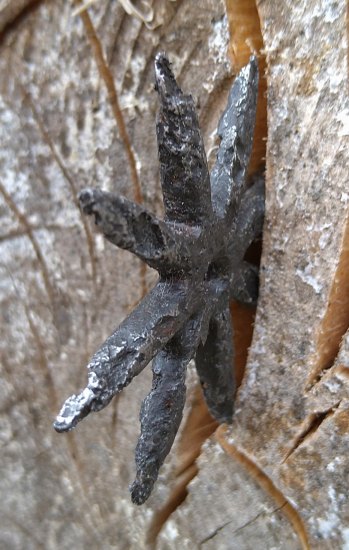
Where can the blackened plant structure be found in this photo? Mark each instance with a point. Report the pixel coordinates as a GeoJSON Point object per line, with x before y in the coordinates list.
{"type": "Point", "coordinates": [198, 250]}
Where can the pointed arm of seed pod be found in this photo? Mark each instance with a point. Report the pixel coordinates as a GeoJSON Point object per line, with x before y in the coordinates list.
{"type": "Point", "coordinates": [214, 364]}
{"type": "Point", "coordinates": [183, 167]}
{"type": "Point", "coordinates": [236, 132]}
{"type": "Point", "coordinates": [161, 414]}
{"type": "Point", "coordinates": [249, 222]}
{"type": "Point", "coordinates": [245, 284]}
{"type": "Point", "coordinates": [161, 411]}
{"type": "Point", "coordinates": [131, 227]}
{"type": "Point", "coordinates": [130, 348]}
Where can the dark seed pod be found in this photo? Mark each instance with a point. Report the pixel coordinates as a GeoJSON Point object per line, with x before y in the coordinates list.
{"type": "Point", "coordinates": [198, 250]}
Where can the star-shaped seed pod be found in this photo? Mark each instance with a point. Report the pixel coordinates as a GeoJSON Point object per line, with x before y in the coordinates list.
{"type": "Point", "coordinates": [198, 251]}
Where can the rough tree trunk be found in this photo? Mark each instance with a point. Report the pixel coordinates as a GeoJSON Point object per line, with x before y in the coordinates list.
{"type": "Point", "coordinates": [278, 478]}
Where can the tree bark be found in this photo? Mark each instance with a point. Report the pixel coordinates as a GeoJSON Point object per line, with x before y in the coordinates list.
{"type": "Point", "coordinates": [277, 477]}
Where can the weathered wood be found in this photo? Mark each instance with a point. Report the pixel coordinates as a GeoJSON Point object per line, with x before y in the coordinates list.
{"type": "Point", "coordinates": [292, 418]}
{"type": "Point", "coordinates": [278, 477]}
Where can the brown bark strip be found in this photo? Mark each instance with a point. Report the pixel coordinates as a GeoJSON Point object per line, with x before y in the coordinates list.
{"type": "Point", "coordinates": [199, 427]}
{"type": "Point", "coordinates": [176, 498]}
{"type": "Point", "coordinates": [107, 77]}
{"type": "Point", "coordinates": [344, 371]}
{"type": "Point", "coordinates": [12, 10]}
{"type": "Point", "coordinates": [266, 484]}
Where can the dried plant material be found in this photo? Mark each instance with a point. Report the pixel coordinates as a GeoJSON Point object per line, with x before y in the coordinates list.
{"type": "Point", "coordinates": [146, 15]}
{"type": "Point", "coordinates": [198, 250]}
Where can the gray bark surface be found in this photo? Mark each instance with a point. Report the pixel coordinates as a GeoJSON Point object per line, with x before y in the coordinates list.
{"type": "Point", "coordinates": [292, 417]}
{"type": "Point", "coordinates": [281, 470]}
{"type": "Point", "coordinates": [63, 288]}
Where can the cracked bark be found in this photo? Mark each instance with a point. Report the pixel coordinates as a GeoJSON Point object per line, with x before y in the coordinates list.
{"type": "Point", "coordinates": [54, 317]}
{"type": "Point", "coordinates": [241, 528]}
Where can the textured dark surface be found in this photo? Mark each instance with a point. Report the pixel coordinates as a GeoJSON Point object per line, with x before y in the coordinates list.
{"type": "Point", "coordinates": [198, 251]}
{"type": "Point", "coordinates": [55, 313]}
